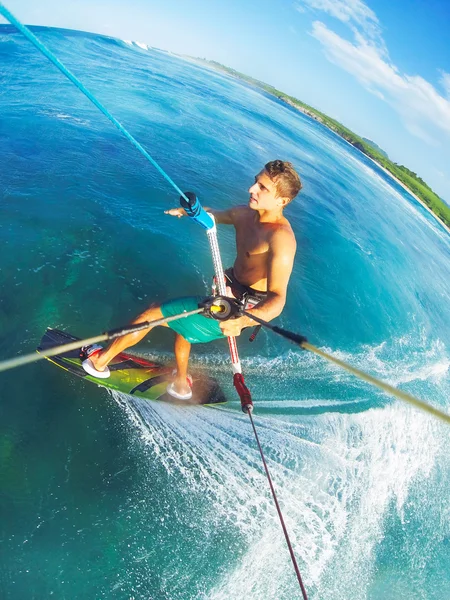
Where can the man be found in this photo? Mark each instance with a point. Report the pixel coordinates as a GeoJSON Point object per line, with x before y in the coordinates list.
{"type": "Point", "coordinates": [266, 248]}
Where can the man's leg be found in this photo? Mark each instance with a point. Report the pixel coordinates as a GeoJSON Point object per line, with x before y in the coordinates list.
{"type": "Point", "coordinates": [182, 351]}
{"type": "Point", "coordinates": [102, 359]}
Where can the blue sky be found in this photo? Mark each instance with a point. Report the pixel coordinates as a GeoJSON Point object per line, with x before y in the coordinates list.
{"type": "Point", "coordinates": [382, 68]}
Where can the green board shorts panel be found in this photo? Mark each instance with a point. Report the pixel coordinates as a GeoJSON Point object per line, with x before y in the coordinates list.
{"type": "Point", "coordinates": [197, 329]}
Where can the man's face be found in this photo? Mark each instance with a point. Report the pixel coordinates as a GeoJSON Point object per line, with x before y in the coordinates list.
{"type": "Point", "coordinates": [263, 194]}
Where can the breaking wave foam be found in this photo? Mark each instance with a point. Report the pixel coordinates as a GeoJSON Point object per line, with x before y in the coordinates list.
{"type": "Point", "coordinates": [336, 475]}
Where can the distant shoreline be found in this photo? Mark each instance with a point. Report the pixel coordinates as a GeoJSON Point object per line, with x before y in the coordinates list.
{"type": "Point", "coordinates": [400, 183]}
{"type": "Point", "coordinates": [444, 225]}
{"type": "Point", "coordinates": [429, 200]}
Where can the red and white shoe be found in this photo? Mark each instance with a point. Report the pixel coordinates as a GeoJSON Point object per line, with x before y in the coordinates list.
{"type": "Point", "coordinates": [86, 352]}
{"type": "Point", "coordinates": [172, 392]}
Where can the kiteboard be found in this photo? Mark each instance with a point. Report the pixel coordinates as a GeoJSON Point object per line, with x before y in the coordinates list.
{"type": "Point", "coordinates": [132, 375]}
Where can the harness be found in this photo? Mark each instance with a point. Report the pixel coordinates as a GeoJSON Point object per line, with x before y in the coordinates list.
{"type": "Point", "coordinates": [247, 296]}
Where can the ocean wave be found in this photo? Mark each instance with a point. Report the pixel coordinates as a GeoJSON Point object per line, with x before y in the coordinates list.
{"type": "Point", "coordinates": [62, 116]}
{"type": "Point", "coordinates": [134, 44]}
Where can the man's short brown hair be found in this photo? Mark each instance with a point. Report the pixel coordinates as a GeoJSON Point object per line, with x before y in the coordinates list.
{"type": "Point", "coordinates": [285, 177]}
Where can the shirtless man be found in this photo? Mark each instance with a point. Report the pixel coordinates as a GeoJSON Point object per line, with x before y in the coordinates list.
{"type": "Point", "coordinates": [266, 248]}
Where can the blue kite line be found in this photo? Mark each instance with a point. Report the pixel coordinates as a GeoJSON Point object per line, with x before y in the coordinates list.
{"type": "Point", "coordinates": [40, 46]}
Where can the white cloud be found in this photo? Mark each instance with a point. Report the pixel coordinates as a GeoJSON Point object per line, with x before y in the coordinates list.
{"type": "Point", "coordinates": [376, 93]}
{"type": "Point", "coordinates": [300, 8]}
{"type": "Point", "coordinates": [415, 99]}
{"type": "Point", "coordinates": [445, 82]}
{"type": "Point", "coordinates": [419, 132]}
{"type": "Point", "coordinates": [352, 12]}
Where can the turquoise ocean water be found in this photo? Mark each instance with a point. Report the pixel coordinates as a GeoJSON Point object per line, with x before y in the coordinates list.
{"type": "Point", "coordinates": [108, 497]}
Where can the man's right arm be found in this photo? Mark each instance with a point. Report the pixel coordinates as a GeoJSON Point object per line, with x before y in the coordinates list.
{"type": "Point", "coordinates": [222, 217]}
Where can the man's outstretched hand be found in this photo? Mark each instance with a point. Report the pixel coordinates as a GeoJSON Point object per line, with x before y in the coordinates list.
{"type": "Point", "coordinates": [176, 212]}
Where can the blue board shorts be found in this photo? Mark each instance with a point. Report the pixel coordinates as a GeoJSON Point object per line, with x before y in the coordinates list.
{"type": "Point", "coordinates": [197, 329]}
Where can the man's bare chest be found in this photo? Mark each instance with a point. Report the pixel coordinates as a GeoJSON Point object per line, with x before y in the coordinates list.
{"type": "Point", "coordinates": [251, 241]}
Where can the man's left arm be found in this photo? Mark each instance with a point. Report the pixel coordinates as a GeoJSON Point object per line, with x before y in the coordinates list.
{"type": "Point", "coordinates": [282, 249]}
